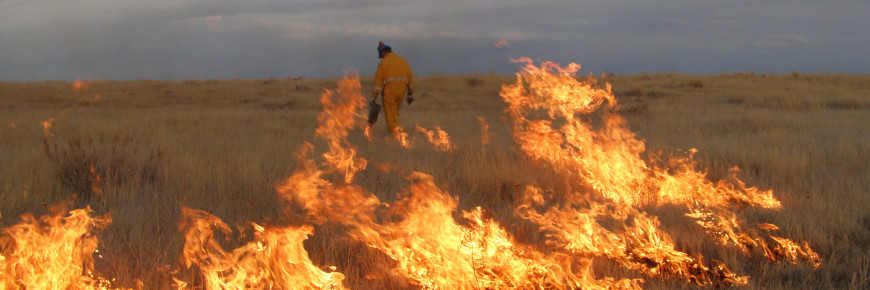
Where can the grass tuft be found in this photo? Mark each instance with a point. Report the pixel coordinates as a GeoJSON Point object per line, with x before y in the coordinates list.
{"type": "Point", "coordinates": [86, 165]}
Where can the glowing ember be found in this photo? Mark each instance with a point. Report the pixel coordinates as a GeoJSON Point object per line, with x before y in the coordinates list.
{"type": "Point", "coordinates": [46, 128]}
{"type": "Point", "coordinates": [80, 85]}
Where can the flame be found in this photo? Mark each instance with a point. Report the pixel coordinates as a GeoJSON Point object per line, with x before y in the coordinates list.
{"type": "Point", "coordinates": [485, 135]}
{"type": "Point", "coordinates": [46, 128]}
{"type": "Point", "coordinates": [402, 138]}
{"type": "Point", "coordinates": [54, 251]}
{"type": "Point", "coordinates": [275, 258]}
{"type": "Point", "coordinates": [608, 159]}
{"type": "Point", "coordinates": [441, 141]}
{"type": "Point", "coordinates": [322, 199]}
{"type": "Point", "coordinates": [578, 130]}
{"type": "Point", "coordinates": [568, 124]}
{"type": "Point", "coordinates": [368, 133]}
{"type": "Point", "coordinates": [95, 182]}
{"type": "Point", "coordinates": [80, 85]}
{"type": "Point", "coordinates": [501, 43]}
{"type": "Point", "coordinates": [96, 98]}
{"type": "Point", "coordinates": [429, 247]}
{"type": "Point", "coordinates": [636, 243]}
{"type": "Point", "coordinates": [336, 120]}
{"type": "Point", "coordinates": [418, 231]}
{"type": "Point", "coordinates": [83, 86]}
{"type": "Point", "coordinates": [728, 229]}
{"type": "Point", "coordinates": [385, 167]}
{"type": "Point", "coordinates": [179, 284]}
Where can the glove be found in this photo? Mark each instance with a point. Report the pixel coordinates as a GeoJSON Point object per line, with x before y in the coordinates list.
{"type": "Point", "coordinates": [410, 98]}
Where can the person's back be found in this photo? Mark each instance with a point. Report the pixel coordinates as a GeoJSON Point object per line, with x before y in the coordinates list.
{"type": "Point", "coordinates": [393, 79]}
{"type": "Point", "coordinates": [393, 68]}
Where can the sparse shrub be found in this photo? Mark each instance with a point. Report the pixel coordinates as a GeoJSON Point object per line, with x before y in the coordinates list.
{"type": "Point", "coordinates": [845, 105]}
{"type": "Point", "coordinates": [633, 110]}
{"type": "Point", "coordinates": [635, 91]}
{"type": "Point", "coordinates": [655, 92]}
{"type": "Point", "coordinates": [473, 82]}
{"type": "Point", "coordinates": [695, 84]}
{"type": "Point", "coordinates": [75, 166]}
{"type": "Point", "coordinates": [736, 100]}
{"type": "Point", "coordinates": [84, 165]}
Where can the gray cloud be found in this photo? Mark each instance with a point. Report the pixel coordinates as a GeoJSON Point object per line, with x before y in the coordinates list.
{"type": "Point", "coordinates": [60, 39]}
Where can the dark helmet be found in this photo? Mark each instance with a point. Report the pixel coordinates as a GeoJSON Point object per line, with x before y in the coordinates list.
{"type": "Point", "coordinates": [383, 47]}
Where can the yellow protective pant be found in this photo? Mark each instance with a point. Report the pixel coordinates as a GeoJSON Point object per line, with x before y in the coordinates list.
{"type": "Point", "coordinates": [393, 96]}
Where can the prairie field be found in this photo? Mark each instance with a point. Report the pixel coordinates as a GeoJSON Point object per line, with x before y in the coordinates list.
{"type": "Point", "coordinates": [144, 152]}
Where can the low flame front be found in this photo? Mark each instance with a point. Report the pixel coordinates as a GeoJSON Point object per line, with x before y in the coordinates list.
{"type": "Point", "coordinates": [274, 259]}
{"type": "Point", "coordinates": [54, 251]}
{"type": "Point", "coordinates": [570, 125]}
{"type": "Point", "coordinates": [608, 158]}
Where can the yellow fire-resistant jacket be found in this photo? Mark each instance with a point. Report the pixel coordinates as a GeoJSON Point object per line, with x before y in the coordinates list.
{"type": "Point", "coordinates": [393, 70]}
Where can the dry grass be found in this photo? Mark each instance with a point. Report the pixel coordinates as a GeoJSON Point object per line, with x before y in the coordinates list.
{"type": "Point", "coordinates": [221, 146]}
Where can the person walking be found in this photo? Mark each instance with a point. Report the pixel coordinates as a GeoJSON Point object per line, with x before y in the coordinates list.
{"type": "Point", "coordinates": [393, 80]}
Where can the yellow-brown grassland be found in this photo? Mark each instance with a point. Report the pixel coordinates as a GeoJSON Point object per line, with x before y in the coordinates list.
{"type": "Point", "coordinates": [140, 151]}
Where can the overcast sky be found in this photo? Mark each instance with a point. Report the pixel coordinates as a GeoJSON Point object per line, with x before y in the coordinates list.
{"type": "Point", "coordinates": [204, 39]}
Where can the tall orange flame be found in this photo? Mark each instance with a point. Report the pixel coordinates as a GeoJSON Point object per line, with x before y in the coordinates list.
{"type": "Point", "coordinates": [575, 126]}
{"type": "Point", "coordinates": [429, 246]}
{"type": "Point", "coordinates": [336, 120]}
{"type": "Point", "coordinates": [608, 158]}
{"type": "Point", "coordinates": [276, 258]}
{"type": "Point", "coordinates": [53, 251]}
{"type": "Point", "coordinates": [569, 124]}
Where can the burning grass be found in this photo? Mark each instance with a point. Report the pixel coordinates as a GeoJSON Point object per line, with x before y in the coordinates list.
{"type": "Point", "coordinates": [469, 203]}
